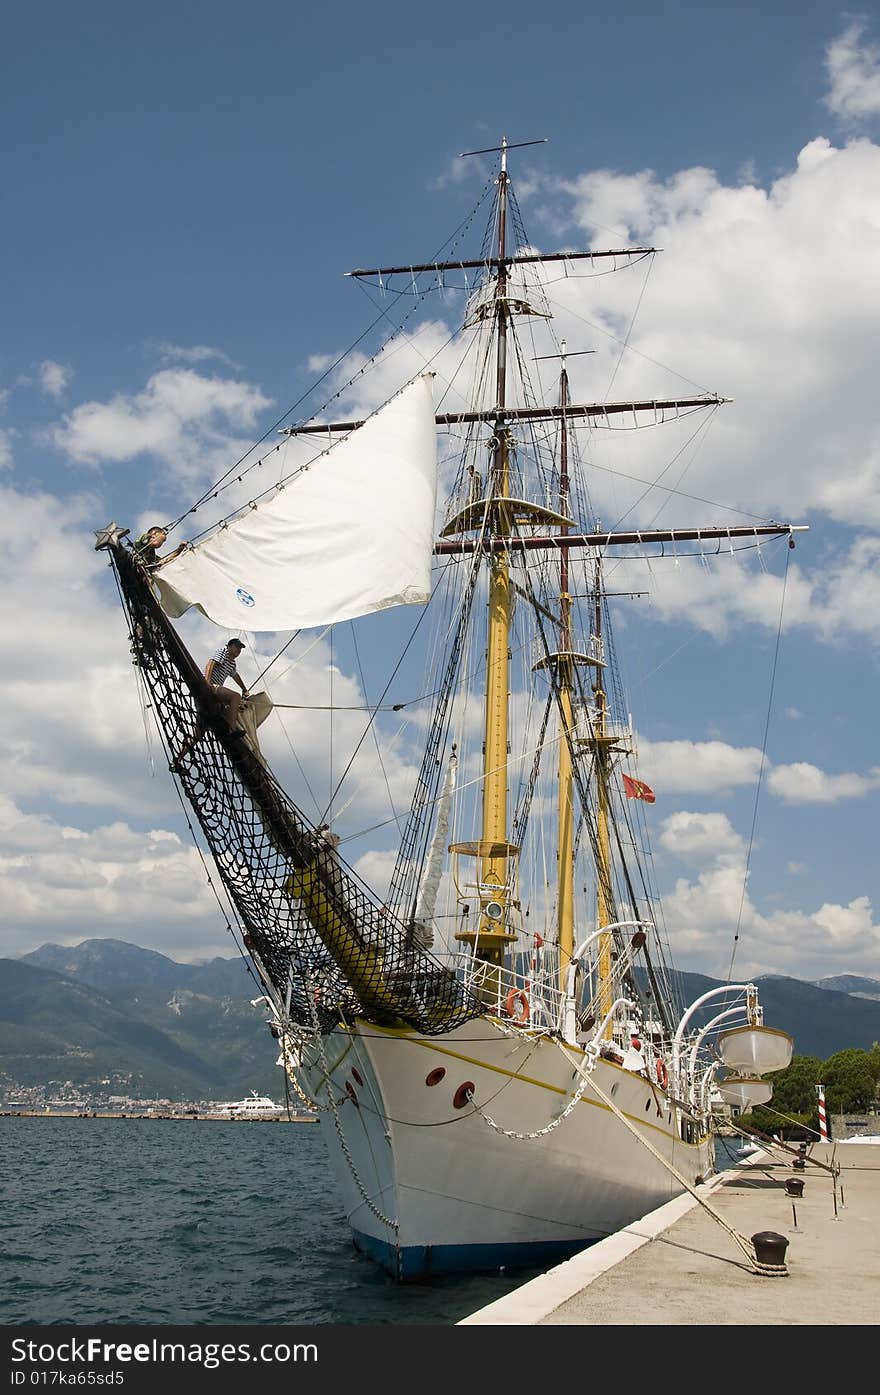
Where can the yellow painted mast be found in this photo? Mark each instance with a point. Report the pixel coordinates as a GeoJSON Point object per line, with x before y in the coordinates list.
{"type": "Point", "coordinates": [492, 938]}
{"type": "Point", "coordinates": [600, 742]}
{"type": "Point", "coordinates": [493, 851]}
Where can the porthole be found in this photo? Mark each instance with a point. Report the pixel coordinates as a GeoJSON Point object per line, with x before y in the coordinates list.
{"type": "Point", "coordinates": [435, 1076]}
{"type": "Point", "coordinates": [356, 1075]}
{"type": "Point", "coordinates": [463, 1094]}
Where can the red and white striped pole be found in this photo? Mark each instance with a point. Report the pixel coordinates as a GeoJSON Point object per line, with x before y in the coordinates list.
{"type": "Point", "coordinates": [823, 1118]}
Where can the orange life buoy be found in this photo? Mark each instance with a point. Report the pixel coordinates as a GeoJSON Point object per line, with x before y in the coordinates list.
{"type": "Point", "coordinates": [516, 995]}
{"type": "Point", "coordinates": [662, 1073]}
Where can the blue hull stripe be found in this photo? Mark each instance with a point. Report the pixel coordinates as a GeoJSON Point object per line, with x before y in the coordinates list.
{"type": "Point", "coordinates": [424, 1261]}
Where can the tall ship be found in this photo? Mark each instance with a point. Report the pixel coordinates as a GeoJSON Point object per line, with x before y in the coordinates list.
{"type": "Point", "coordinates": [494, 1038]}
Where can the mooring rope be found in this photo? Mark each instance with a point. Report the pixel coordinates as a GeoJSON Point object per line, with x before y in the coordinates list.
{"type": "Point", "coordinates": [741, 1241]}
{"type": "Point", "coordinates": [586, 1080]}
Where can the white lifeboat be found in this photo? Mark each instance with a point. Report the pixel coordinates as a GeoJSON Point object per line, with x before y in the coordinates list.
{"type": "Point", "coordinates": [755, 1050]}
{"type": "Point", "coordinates": [744, 1091]}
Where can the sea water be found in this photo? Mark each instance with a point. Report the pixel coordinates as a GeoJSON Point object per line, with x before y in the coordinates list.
{"type": "Point", "coordinates": [192, 1223]}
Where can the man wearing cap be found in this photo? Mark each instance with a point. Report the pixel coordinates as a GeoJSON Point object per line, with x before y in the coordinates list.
{"type": "Point", "coordinates": [145, 547]}
{"type": "Point", "coordinates": [221, 666]}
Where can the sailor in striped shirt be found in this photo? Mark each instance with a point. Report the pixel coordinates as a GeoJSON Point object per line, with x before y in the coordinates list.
{"type": "Point", "coordinates": [221, 666]}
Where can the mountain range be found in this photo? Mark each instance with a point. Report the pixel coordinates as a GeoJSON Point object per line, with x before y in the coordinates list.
{"type": "Point", "coordinates": [81, 1013]}
{"type": "Point", "coordinates": [106, 1008]}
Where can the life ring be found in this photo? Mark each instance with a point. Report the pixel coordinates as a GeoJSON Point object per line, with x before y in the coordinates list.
{"type": "Point", "coordinates": [662, 1073]}
{"type": "Point", "coordinates": [517, 995]}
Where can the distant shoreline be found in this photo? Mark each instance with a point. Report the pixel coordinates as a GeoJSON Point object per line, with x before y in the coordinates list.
{"type": "Point", "coordinates": [208, 1115]}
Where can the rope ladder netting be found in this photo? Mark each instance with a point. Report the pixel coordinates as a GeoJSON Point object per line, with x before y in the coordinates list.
{"type": "Point", "coordinates": [328, 947]}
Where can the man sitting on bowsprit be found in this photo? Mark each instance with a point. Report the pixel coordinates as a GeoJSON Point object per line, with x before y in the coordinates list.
{"type": "Point", "coordinates": [219, 667]}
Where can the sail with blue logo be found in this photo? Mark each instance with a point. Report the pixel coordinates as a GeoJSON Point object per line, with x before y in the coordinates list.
{"type": "Point", "coordinates": [351, 533]}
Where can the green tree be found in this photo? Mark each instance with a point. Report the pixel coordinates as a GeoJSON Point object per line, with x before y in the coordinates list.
{"type": "Point", "coordinates": [794, 1099]}
{"type": "Point", "coordinates": [794, 1089]}
{"type": "Point", "coordinates": [850, 1081]}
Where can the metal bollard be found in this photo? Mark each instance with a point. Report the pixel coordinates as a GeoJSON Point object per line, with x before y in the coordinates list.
{"type": "Point", "coordinates": [770, 1248]}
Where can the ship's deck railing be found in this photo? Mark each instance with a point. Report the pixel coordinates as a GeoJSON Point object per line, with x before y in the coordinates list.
{"type": "Point", "coordinates": [527, 997]}
{"type": "Point", "coordinates": [587, 649]}
{"type": "Point", "coordinates": [587, 724]}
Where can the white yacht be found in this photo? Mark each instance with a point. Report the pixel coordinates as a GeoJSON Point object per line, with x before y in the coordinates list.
{"type": "Point", "coordinates": [261, 1107]}
{"type": "Point", "coordinates": [254, 1107]}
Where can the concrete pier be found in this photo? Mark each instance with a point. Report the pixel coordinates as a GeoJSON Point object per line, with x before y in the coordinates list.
{"type": "Point", "coordinates": [679, 1266]}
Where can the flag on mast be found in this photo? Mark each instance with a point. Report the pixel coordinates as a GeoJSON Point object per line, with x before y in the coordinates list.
{"type": "Point", "coordinates": [637, 789]}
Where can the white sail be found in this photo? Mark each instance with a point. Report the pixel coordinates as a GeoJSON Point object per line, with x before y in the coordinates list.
{"type": "Point", "coordinates": [430, 885]}
{"type": "Point", "coordinates": [351, 534]}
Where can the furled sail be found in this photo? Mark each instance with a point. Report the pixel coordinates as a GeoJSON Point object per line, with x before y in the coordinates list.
{"type": "Point", "coordinates": [425, 907]}
{"type": "Point", "coordinates": [352, 533]}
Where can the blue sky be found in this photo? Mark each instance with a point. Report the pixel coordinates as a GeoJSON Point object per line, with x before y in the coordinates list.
{"type": "Point", "coordinates": [184, 187]}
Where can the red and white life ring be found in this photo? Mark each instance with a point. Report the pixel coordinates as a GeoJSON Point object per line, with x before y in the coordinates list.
{"type": "Point", "coordinates": [662, 1073]}
{"type": "Point", "coordinates": [515, 997]}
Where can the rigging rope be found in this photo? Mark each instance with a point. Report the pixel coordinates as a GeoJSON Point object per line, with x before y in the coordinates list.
{"type": "Point", "coordinates": [744, 1244]}
{"type": "Point", "coordinates": [226, 479]}
{"type": "Point", "coordinates": [742, 898]}
{"type": "Point", "coordinates": [378, 708]}
{"type": "Point", "coordinates": [587, 1080]}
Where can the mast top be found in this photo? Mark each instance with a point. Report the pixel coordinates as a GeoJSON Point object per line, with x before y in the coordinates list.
{"type": "Point", "coordinates": [503, 148]}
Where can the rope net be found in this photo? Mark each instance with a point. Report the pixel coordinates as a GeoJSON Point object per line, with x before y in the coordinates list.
{"type": "Point", "coordinates": [312, 928]}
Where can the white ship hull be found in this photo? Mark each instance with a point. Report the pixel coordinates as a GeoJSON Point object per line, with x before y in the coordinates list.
{"type": "Point", "coordinates": [430, 1188]}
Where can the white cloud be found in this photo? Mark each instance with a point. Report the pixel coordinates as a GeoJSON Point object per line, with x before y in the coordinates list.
{"type": "Point", "coordinates": [703, 916]}
{"type": "Point", "coordinates": [64, 884]}
{"type": "Point", "coordinates": [6, 437]}
{"type": "Point", "coordinates": [709, 767]}
{"type": "Point", "coordinates": [181, 418]}
{"type": "Point", "coordinates": [375, 868]}
{"type": "Point", "coordinates": [802, 783]}
{"type": "Point", "coordinates": [835, 599]}
{"type": "Point", "coordinates": [853, 74]}
{"type": "Point", "coordinates": [701, 837]}
{"type": "Point", "coordinates": [73, 732]}
{"type": "Point", "coordinates": [765, 295]}
{"type": "Point", "coordinates": [457, 171]}
{"type": "Point", "coordinates": [194, 353]}
{"type": "Point", "coordinates": [672, 767]}
{"type": "Point", "coordinates": [54, 377]}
